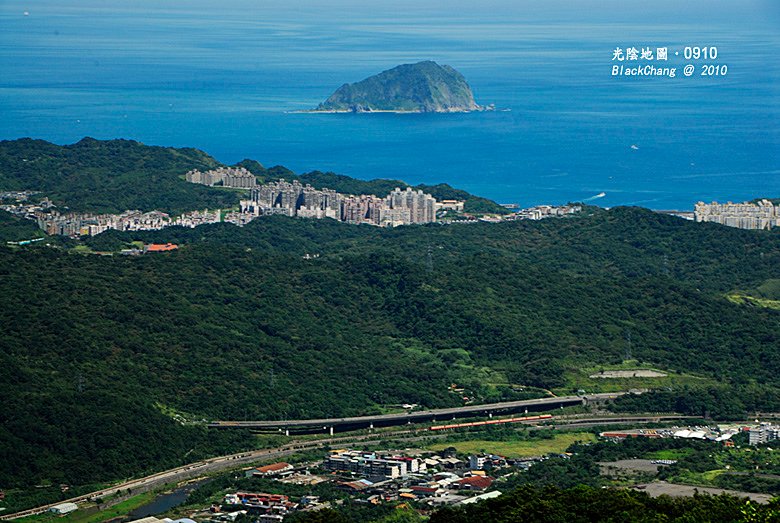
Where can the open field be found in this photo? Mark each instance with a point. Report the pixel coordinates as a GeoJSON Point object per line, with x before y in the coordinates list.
{"type": "Point", "coordinates": [659, 488]}
{"type": "Point", "coordinates": [742, 299]}
{"type": "Point", "coordinates": [631, 374]}
{"type": "Point", "coordinates": [518, 449]}
{"type": "Point", "coordinates": [87, 516]}
{"type": "Point", "coordinates": [631, 465]}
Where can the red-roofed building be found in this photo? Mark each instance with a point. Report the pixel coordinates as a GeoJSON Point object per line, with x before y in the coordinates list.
{"type": "Point", "coordinates": [161, 247]}
{"type": "Point", "coordinates": [423, 491]}
{"type": "Point", "coordinates": [272, 469]}
{"type": "Point", "coordinates": [475, 483]}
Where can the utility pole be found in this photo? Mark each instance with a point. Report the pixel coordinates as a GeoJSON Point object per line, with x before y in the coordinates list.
{"type": "Point", "coordinates": [628, 346]}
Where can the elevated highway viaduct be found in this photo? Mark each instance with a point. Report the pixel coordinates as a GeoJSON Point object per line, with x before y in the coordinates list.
{"type": "Point", "coordinates": [332, 425]}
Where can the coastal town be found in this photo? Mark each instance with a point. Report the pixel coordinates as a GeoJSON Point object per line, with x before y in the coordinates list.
{"type": "Point", "coordinates": [401, 207]}
{"type": "Point", "coordinates": [760, 214]}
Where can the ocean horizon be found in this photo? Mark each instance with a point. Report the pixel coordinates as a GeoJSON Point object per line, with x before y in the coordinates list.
{"type": "Point", "coordinates": [227, 79]}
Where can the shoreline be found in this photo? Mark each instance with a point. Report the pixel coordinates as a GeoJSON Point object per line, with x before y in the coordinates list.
{"type": "Point", "coordinates": [479, 109]}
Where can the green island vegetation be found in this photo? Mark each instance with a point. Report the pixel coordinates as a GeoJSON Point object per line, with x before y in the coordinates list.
{"type": "Point", "coordinates": [108, 364]}
{"type": "Point", "coordinates": [423, 87]}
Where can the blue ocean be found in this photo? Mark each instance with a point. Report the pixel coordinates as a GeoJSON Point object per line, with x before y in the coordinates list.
{"type": "Point", "coordinates": [225, 76]}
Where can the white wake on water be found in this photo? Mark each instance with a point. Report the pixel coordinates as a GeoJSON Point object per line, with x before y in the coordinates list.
{"type": "Point", "coordinates": [599, 195]}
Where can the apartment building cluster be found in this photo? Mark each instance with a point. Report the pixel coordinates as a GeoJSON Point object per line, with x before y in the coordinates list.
{"type": "Point", "coordinates": [79, 224]}
{"type": "Point", "coordinates": [293, 199]}
{"type": "Point", "coordinates": [541, 212]}
{"type": "Point", "coordinates": [747, 215]}
{"type": "Point", "coordinates": [763, 433]}
{"type": "Point", "coordinates": [237, 177]}
{"type": "Point", "coordinates": [400, 207]}
{"type": "Point", "coordinates": [369, 464]}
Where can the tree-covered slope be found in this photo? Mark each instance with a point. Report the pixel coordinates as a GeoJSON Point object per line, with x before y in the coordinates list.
{"type": "Point", "coordinates": [238, 324]}
{"type": "Point", "coordinates": [109, 176]}
{"type": "Point", "coordinates": [116, 175]}
{"type": "Point", "coordinates": [587, 504]}
{"type": "Point", "coordinates": [14, 228]}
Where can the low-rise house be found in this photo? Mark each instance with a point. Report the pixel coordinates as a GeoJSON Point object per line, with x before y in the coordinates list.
{"type": "Point", "coordinates": [274, 469]}
{"type": "Point", "coordinates": [424, 491]}
{"type": "Point", "coordinates": [474, 483]}
{"type": "Point", "coordinates": [63, 508]}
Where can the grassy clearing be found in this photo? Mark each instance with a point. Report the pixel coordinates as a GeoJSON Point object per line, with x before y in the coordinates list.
{"type": "Point", "coordinates": [704, 479]}
{"type": "Point", "coordinates": [82, 516]}
{"type": "Point", "coordinates": [578, 378]}
{"type": "Point", "coordinates": [519, 449]}
{"type": "Point", "coordinates": [669, 454]}
{"type": "Point", "coordinates": [743, 299]}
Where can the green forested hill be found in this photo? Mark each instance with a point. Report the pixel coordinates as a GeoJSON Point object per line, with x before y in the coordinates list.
{"type": "Point", "coordinates": [116, 175]}
{"type": "Point", "coordinates": [237, 324]}
{"type": "Point", "coordinates": [96, 352]}
{"type": "Point", "coordinates": [109, 176]}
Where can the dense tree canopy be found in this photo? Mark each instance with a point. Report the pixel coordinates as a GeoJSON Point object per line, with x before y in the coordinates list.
{"type": "Point", "coordinates": [239, 323]}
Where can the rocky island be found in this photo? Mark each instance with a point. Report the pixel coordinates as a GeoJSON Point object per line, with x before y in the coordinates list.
{"type": "Point", "coordinates": [424, 87]}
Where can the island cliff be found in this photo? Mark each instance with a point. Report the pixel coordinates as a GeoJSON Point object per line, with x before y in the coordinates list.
{"type": "Point", "coordinates": [424, 87]}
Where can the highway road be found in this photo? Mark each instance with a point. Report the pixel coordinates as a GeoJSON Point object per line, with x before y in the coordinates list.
{"type": "Point", "coordinates": [194, 470]}
{"type": "Point", "coordinates": [420, 416]}
{"type": "Point", "coordinates": [201, 468]}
